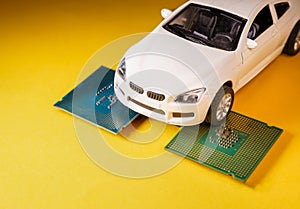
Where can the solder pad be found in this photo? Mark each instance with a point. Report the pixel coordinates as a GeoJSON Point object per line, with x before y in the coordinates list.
{"type": "Point", "coordinates": [237, 152]}
{"type": "Point", "coordinates": [94, 100]}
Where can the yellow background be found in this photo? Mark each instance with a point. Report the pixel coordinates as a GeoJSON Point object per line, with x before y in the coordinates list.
{"type": "Point", "coordinates": [45, 44]}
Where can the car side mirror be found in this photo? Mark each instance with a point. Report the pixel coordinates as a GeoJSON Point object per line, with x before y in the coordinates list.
{"type": "Point", "coordinates": [165, 13]}
{"type": "Point", "coordinates": [251, 44]}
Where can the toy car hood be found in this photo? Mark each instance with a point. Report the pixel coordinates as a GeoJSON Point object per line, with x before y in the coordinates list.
{"type": "Point", "coordinates": [164, 60]}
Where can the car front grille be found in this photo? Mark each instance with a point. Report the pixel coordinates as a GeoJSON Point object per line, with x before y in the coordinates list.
{"type": "Point", "coordinates": [136, 88]}
{"type": "Point", "coordinates": [156, 96]}
{"type": "Point", "coordinates": [150, 94]}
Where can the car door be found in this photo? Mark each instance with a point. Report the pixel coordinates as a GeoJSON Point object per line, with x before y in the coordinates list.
{"type": "Point", "coordinates": [281, 10]}
{"type": "Point", "coordinates": [264, 34]}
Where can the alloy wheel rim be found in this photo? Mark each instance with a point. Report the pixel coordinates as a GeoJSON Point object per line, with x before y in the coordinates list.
{"type": "Point", "coordinates": [224, 107]}
{"type": "Point", "coordinates": [297, 42]}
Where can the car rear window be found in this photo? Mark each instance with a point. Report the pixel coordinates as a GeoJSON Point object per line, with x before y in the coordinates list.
{"type": "Point", "coordinates": [281, 8]}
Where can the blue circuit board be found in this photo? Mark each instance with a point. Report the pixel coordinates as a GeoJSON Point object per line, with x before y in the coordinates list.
{"type": "Point", "coordinates": [94, 100]}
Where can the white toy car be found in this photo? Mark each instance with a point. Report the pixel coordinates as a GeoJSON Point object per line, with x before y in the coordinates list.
{"type": "Point", "coordinates": [235, 41]}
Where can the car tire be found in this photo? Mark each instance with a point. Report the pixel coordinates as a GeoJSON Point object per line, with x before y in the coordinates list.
{"type": "Point", "coordinates": [292, 46]}
{"type": "Point", "coordinates": [220, 106]}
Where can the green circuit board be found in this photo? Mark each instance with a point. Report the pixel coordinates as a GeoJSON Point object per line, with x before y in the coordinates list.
{"type": "Point", "coordinates": [235, 148]}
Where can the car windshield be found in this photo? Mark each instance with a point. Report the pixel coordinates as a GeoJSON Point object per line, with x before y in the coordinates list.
{"type": "Point", "coordinates": [207, 26]}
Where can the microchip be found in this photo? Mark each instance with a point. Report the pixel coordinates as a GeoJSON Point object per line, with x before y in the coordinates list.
{"type": "Point", "coordinates": [235, 148]}
{"type": "Point", "coordinates": [94, 100]}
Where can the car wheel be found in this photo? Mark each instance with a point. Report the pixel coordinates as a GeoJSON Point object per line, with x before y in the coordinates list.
{"type": "Point", "coordinates": [292, 46]}
{"type": "Point", "coordinates": [221, 106]}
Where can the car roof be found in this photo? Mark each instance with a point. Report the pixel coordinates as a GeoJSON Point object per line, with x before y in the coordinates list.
{"type": "Point", "coordinates": [239, 7]}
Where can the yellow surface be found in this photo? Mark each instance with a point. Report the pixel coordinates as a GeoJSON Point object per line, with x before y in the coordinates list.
{"type": "Point", "coordinates": [45, 44]}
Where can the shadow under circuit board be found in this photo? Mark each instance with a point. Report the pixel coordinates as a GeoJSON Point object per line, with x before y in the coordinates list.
{"type": "Point", "coordinates": [94, 100]}
{"type": "Point", "coordinates": [235, 148]}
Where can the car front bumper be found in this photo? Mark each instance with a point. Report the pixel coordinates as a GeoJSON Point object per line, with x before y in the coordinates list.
{"type": "Point", "coordinates": [168, 111]}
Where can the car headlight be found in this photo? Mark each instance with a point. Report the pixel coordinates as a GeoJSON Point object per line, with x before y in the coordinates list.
{"type": "Point", "coordinates": [122, 69]}
{"type": "Point", "coordinates": [193, 96]}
